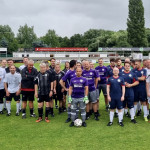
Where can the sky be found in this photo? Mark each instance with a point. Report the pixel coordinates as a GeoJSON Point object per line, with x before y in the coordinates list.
{"type": "Point", "coordinates": [67, 17]}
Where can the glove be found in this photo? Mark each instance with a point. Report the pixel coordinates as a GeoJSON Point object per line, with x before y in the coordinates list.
{"type": "Point", "coordinates": [69, 99]}
{"type": "Point", "coordinates": [86, 100]}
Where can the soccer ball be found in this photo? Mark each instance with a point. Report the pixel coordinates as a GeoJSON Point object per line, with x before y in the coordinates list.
{"type": "Point", "coordinates": [78, 122]}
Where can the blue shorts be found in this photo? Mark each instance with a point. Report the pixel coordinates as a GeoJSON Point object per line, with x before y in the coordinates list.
{"type": "Point", "coordinates": [129, 102]}
{"type": "Point", "coordinates": [140, 95]}
{"type": "Point", "coordinates": [116, 103]}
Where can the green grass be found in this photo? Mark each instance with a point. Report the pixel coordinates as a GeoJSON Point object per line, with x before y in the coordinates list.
{"type": "Point", "coordinates": [16, 133]}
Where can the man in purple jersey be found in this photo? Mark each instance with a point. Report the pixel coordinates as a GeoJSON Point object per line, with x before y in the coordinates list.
{"type": "Point", "coordinates": [92, 78]}
{"type": "Point", "coordinates": [115, 93]}
{"type": "Point", "coordinates": [65, 81]}
{"type": "Point", "coordinates": [102, 70]}
{"type": "Point", "coordinates": [78, 92]}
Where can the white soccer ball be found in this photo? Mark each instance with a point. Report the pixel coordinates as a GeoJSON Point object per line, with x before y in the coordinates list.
{"type": "Point", "coordinates": [78, 122]}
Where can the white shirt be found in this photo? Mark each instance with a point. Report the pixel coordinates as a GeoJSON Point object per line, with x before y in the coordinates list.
{"type": "Point", "coordinates": [2, 77]}
{"type": "Point", "coordinates": [21, 67]}
{"type": "Point", "coordinates": [13, 81]}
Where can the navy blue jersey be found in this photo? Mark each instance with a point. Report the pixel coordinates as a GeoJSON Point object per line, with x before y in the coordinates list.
{"type": "Point", "coordinates": [121, 69]}
{"type": "Point", "coordinates": [140, 73]}
{"type": "Point", "coordinates": [115, 87]}
{"type": "Point", "coordinates": [129, 77]}
{"type": "Point", "coordinates": [110, 72]}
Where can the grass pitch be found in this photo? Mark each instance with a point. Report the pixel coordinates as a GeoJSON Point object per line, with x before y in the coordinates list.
{"type": "Point", "coordinates": [22, 134]}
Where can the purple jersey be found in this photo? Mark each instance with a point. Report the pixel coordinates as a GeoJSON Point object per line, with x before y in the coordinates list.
{"type": "Point", "coordinates": [102, 74]}
{"type": "Point", "coordinates": [115, 86]}
{"type": "Point", "coordinates": [90, 75]}
{"type": "Point", "coordinates": [78, 84]}
{"type": "Point", "coordinates": [68, 76]}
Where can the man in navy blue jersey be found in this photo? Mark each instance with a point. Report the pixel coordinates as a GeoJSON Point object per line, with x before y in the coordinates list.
{"type": "Point", "coordinates": [140, 90]}
{"type": "Point", "coordinates": [130, 81]}
{"type": "Point", "coordinates": [116, 93]}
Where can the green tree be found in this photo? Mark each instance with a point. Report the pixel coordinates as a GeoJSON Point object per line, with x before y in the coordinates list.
{"type": "Point", "coordinates": [26, 36]}
{"type": "Point", "coordinates": [7, 38]}
{"type": "Point", "coordinates": [51, 39]}
{"type": "Point", "coordinates": [136, 24]}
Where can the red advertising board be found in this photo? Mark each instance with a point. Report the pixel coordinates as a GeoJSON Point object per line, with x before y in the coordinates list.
{"type": "Point", "coordinates": [51, 49]}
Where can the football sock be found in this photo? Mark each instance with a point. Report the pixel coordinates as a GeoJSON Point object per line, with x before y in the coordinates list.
{"type": "Point", "coordinates": [23, 111]}
{"type": "Point", "coordinates": [69, 112]}
{"type": "Point", "coordinates": [40, 112]}
{"type": "Point", "coordinates": [138, 106]}
{"type": "Point", "coordinates": [123, 111]}
{"type": "Point", "coordinates": [132, 113]}
{"type": "Point", "coordinates": [46, 111]}
{"type": "Point", "coordinates": [31, 111]}
{"type": "Point", "coordinates": [135, 108]}
{"type": "Point", "coordinates": [111, 116]}
{"type": "Point", "coordinates": [20, 103]}
{"type": "Point", "coordinates": [8, 107]}
{"type": "Point", "coordinates": [116, 110]}
{"type": "Point", "coordinates": [126, 110]}
{"type": "Point", "coordinates": [145, 111]}
{"type": "Point", "coordinates": [1, 106]}
{"type": "Point", "coordinates": [5, 103]}
{"type": "Point", "coordinates": [17, 107]}
{"type": "Point", "coordinates": [120, 116]}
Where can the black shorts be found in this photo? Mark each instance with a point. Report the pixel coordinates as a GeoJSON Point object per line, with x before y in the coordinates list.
{"type": "Point", "coordinates": [27, 95]}
{"type": "Point", "coordinates": [65, 93]}
{"type": "Point", "coordinates": [59, 96]}
{"type": "Point", "coordinates": [2, 94]}
{"type": "Point", "coordinates": [13, 95]}
{"type": "Point", "coordinates": [42, 98]}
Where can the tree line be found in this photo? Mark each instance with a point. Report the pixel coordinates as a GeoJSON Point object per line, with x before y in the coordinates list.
{"type": "Point", "coordinates": [136, 35]}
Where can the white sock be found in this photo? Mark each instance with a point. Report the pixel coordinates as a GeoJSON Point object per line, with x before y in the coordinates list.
{"type": "Point", "coordinates": [116, 110]}
{"type": "Point", "coordinates": [8, 106]}
{"type": "Point", "coordinates": [145, 111]}
{"type": "Point", "coordinates": [132, 113]}
{"type": "Point", "coordinates": [120, 116]}
{"type": "Point", "coordinates": [17, 107]}
{"type": "Point", "coordinates": [20, 104]}
{"type": "Point", "coordinates": [111, 116]}
{"type": "Point", "coordinates": [4, 102]}
{"type": "Point", "coordinates": [1, 106]}
{"type": "Point", "coordinates": [122, 111]}
{"type": "Point", "coordinates": [135, 108]}
{"type": "Point", "coordinates": [126, 110]}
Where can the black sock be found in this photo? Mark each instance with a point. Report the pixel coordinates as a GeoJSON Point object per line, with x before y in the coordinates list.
{"type": "Point", "coordinates": [52, 111]}
{"type": "Point", "coordinates": [23, 111]}
{"type": "Point", "coordinates": [95, 113]}
{"type": "Point", "coordinates": [31, 111]}
{"type": "Point", "coordinates": [40, 112]}
{"type": "Point", "coordinates": [55, 102]}
{"type": "Point", "coordinates": [46, 111]}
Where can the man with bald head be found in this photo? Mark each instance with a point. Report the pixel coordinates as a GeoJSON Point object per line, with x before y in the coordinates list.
{"type": "Point", "coordinates": [115, 94]}
{"type": "Point", "coordinates": [27, 87]}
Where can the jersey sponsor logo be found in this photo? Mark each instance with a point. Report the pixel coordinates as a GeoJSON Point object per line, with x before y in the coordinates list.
{"type": "Point", "coordinates": [78, 85]}
{"type": "Point", "coordinates": [91, 73]}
